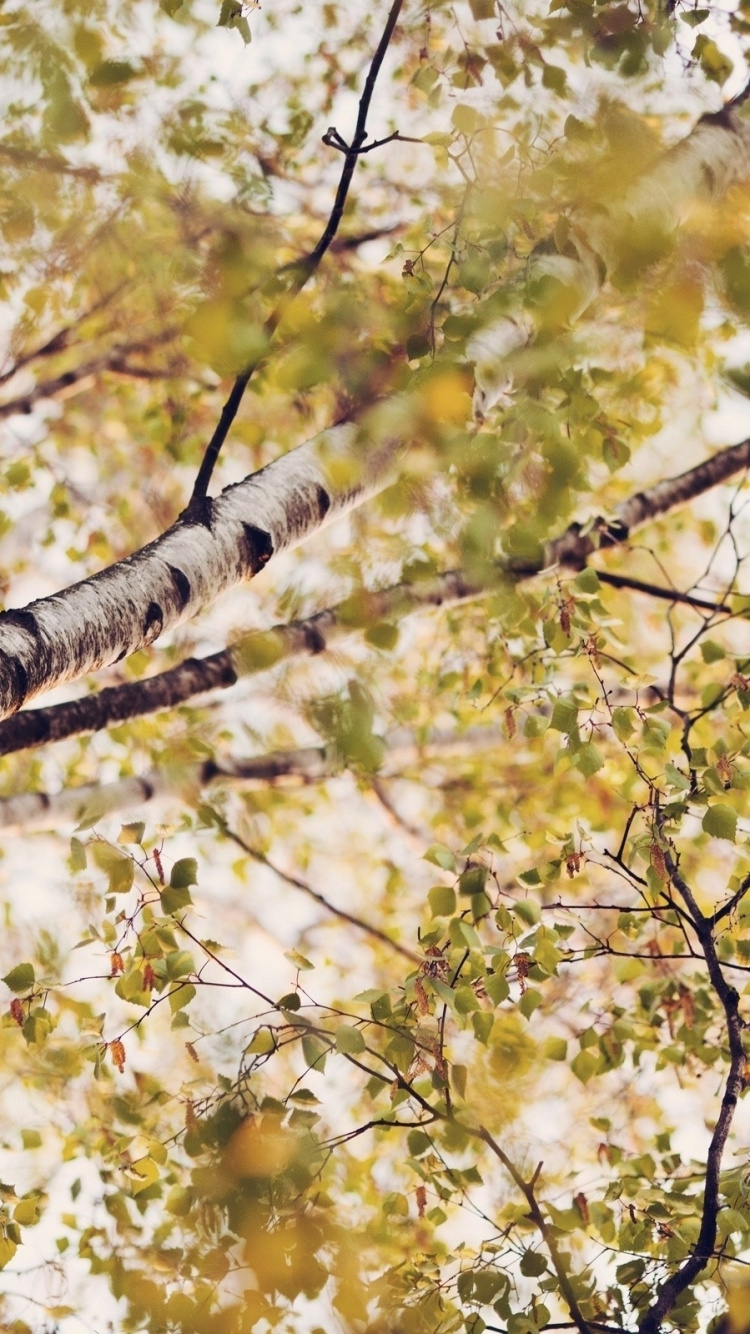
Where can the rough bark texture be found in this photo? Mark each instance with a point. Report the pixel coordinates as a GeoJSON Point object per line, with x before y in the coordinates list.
{"type": "Point", "coordinates": [103, 619]}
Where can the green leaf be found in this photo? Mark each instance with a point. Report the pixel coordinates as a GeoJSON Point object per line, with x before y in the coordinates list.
{"type": "Point", "coordinates": [184, 873]}
{"type": "Point", "coordinates": [721, 822]}
{"type": "Point", "coordinates": [589, 759]}
{"type": "Point", "coordinates": [180, 997]}
{"type": "Point", "coordinates": [587, 581]}
{"type": "Point", "coordinates": [349, 1040]}
{"type": "Point", "coordinates": [110, 72]}
{"type": "Point", "coordinates": [132, 833]}
{"type": "Point", "coordinates": [466, 119]}
{"type": "Point", "coordinates": [120, 868]}
{"type": "Point", "coordinates": [77, 858]}
{"type": "Point", "coordinates": [179, 963]}
{"type": "Point", "coordinates": [299, 960]}
{"type": "Point", "coordinates": [383, 635]}
{"type": "Point", "coordinates": [231, 16]}
{"type": "Point", "coordinates": [496, 986]}
{"type": "Point", "coordinates": [440, 856]}
{"type": "Point", "coordinates": [585, 1064]}
{"type": "Point", "coordinates": [315, 1052]}
{"type": "Point", "coordinates": [623, 722]}
{"type": "Point", "coordinates": [529, 1002]}
{"type": "Point", "coordinates": [533, 1263]}
{"type": "Point", "coordinates": [472, 880]}
{"type": "Point", "coordinates": [174, 900]}
{"type": "Point", "coordinates": [564, 715]}
{"type": "Point", "coordinates": [8, 1249]}
{"type": "Point", "coordinates": [21, 978]}
{"type": "Point", "coordinates": [711, 651]}
{"type": "Point", "coordinates": [442, 901]}
{"type": "Point", "coordinates": [555, 1049]}
{"type": "Point", "coordinates": [528, 910]}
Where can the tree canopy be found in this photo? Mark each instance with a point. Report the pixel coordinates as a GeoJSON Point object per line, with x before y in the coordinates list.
{"type": "Point", "coordinates": [376, 930]}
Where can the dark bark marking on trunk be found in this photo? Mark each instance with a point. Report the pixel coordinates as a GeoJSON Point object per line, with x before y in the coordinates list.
{"type": "Point", "coordinates": [25, 620]}
{"type": "Point", "coordinates": [613, 533]}
{"type": "Point", "coordinates": [709, 176]}
{"type": "Point", "coordinates": [182, 584]}
{"type": "Point", "coordinates": [146, 788]}
{"type": "Point", "coordinates": [314, 640]}
{"type": "Point", "coordinates": [259, 547]}
{"type": "Point", "coordinates": [723, 117]}
{"type": "Point", "coordinates": [324, 501]}
{"type": "Point", "coordinates": [153, 622]}
{"type": "Point", "coordinates": [16, 672]}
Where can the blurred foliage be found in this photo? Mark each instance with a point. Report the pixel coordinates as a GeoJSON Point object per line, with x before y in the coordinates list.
{"type": "Point", "coordinates": [225, 1112]}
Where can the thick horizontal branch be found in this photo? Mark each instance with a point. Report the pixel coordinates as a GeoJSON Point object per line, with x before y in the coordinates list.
{"type": "Point", "coordinates": [305, 764]}
{"type": "Point", "coordinates": [209, 549]}
{"type": "Point", "coordinates": [260, 650]}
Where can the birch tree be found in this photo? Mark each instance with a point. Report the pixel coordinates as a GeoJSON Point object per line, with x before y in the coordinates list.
{"type": "Point", "coordinates": [376, 930]}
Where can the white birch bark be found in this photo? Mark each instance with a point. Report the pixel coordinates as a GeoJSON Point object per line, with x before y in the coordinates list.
{"type": "Point", "coordinates": [103, 619]}
{"type": "Point", "coordinates": [126, 607]}
{"type": "Point", "coordinates": [307, 764]}
{"type": "Point", "coordinates": [315, 634]}
{"type": "Point", "coordinates": [702, 167]}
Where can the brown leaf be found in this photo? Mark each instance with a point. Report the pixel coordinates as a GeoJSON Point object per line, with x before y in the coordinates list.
{"type": "Point", "coordinates": [117, 1052]}
{"type": "Point", "coordinates": [658, 861]}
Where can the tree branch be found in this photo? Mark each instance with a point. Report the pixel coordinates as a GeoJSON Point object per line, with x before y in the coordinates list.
{"type": "Point", "coordinates": [304, 270]}
{"type": "Point", "coordinates": [305, 764]}
{"type": "Point", "coordinates": [704, 1247]}
{"type": "Point", "coordinates": [305, 888]}
{"type": "Point", "coordinates": [527, 1190]}
{"type": "Point", "coordinates": [196, 676]}
{"type": "Point", "coordinates": [659, 591]}
{"type": "Point", "coordinates": [103, 619]}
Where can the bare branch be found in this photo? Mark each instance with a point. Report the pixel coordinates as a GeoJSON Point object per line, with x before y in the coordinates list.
{"type": "Point", "coordinates": [303, 271]}
{"type": "Point", "coordinates": [297, 883]}
{"type": "Point", "coordinates": [703, 1249]}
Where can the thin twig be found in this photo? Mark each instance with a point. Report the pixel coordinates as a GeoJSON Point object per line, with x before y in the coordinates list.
{"type": "Point", "coordinates": [319, 898]}
{"type": "Point", "coordinates": [657, 591]}
{"type": "Point", "coordinates": [305, 268]}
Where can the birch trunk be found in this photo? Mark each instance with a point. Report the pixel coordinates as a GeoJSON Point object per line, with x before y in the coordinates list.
{"type": "Point", "coordinates": [265, 649]}
{"type": "Point", "coordinates": [126, 607]}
